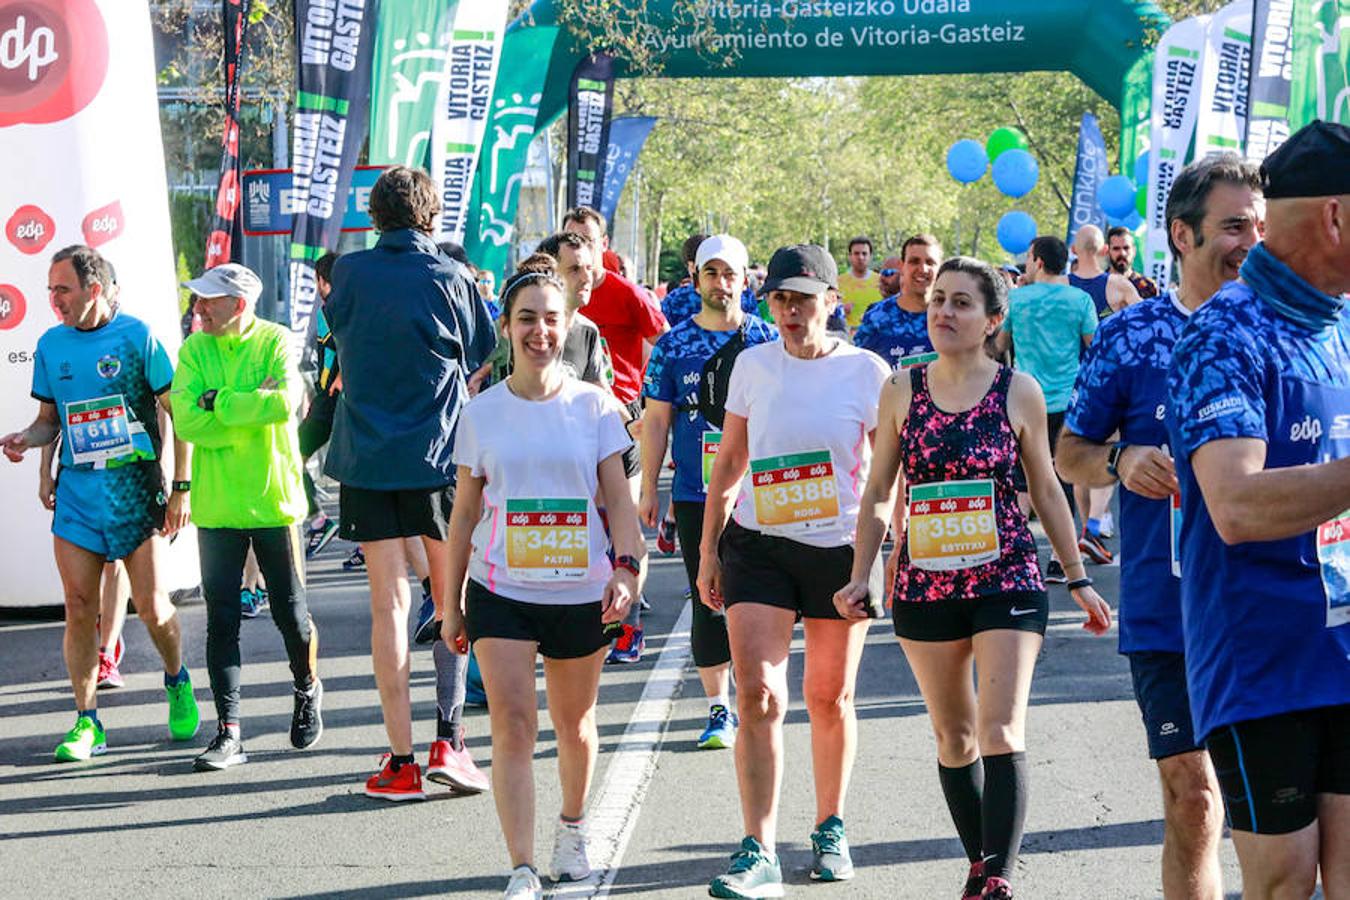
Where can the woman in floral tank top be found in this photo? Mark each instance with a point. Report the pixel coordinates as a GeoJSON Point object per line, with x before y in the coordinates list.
{"type": "Point", "coordinates": [967, 588]}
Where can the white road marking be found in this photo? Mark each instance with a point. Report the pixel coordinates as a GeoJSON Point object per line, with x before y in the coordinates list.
{"type": "Point", "coordinates": [615, 808]}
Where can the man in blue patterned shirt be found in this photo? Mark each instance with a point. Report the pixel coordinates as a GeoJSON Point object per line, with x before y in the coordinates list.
{"type": "Point", "coordinates": [1259, 419]}
{"type": "Point", "coordinates": [674, 377]}
{"type": "Point", "coordinates": [1212, 215]}
{"type": "Point", "coordinates": [897, 328]}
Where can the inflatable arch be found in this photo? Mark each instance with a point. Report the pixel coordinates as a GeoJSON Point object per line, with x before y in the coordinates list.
{"type": "Point", "coordinates": [1100, 41]}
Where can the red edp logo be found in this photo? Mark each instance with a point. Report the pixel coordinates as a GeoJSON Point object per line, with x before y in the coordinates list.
{"type": "Point", "coordinates": [53, 59]}
{"type": "Point", "coordinates": [103, 224]}
{"type": "Point", "coordinates": [13, 307]}
{"type": "Point", "coordinates": [30, 229]}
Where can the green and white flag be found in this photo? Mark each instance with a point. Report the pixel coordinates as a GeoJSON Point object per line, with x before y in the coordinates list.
{"type": "Point", "coordinates": [1176, 94]}
{"type": "Point", "coordinates": [463, 107]}
{"type": "Point", "coordinates": [1221, 123]}
{"type": "Point", "coordinates": [1320, 88]}
{"type": "Point", "coordinates": [410, 54]}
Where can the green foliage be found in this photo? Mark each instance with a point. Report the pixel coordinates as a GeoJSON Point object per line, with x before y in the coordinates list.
{"type": "Point", "coordinates": [190, 218]}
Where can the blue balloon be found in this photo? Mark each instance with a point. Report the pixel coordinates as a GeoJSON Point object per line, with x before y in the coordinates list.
{"type": "Point", "coordinates": [1141, 168]}
{"type": "Point", "coordinates": [966, 161]}
{"type": "Point", "coordinates": [1133, 221]}
{"type": "Point", "coordinates": [1016, 230]}
{"type": "Point", "coordinates": [1016, 173]}
{"type": "Point", "coordinates": [1115, 196]}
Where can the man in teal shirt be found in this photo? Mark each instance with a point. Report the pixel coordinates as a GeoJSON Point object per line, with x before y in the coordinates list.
{"type": "Point", "coordinates": [1048, 325]}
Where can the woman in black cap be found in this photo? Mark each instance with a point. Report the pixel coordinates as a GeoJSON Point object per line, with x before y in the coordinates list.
{"type": "Point", "coordinates": [796, 446]}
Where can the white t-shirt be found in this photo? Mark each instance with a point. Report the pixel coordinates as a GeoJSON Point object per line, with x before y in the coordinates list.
{"type": "Point", "coordinates": [804, 415]}
{"type": "Point", "coordinates": [540, 539]}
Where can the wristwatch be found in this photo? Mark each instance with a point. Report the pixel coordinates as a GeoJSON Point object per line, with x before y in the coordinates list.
{"type": "Point", "coordinates": [630, 563]}
{"type": "Point", "coordinates": [1113, 458]}
{"type": "Point", "coordinates": [182, 487]}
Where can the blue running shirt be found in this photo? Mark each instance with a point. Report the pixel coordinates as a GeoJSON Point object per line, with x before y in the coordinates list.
{"type": "Point", "coordinates": [1122, 386]}
{"type": "Point", "coordinates": [104, 383]}
{"type": "Point", "coordinates": [1260, 631]}
{"type": "Point", "coordinates": [893, 333]}
{"type": "Point", "coordinates": [674, 374]}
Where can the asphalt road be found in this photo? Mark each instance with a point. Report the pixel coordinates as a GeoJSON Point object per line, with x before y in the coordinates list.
{"type": "Point", "coordinates": [140, 823]}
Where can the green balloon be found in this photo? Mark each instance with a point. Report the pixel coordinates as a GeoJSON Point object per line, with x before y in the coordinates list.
{"type": "Point", "coordinates": [1004, 139]}
{"type": "Point", "coordinates": [1141, 200]}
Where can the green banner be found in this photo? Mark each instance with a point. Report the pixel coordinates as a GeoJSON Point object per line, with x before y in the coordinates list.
{"type": "Point", "coordinates": [1321, 63]}
{"type": "Point", "coordinates": [1134, 112]}
{"type": "Point", "coordinates": [511, 127]}
{"type": "Point", "coordinates": [410, 53]}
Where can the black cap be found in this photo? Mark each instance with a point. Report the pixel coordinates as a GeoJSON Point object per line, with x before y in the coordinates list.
{"type": "Point", "coordinates": [807, 268]}
{"type": "Point", "coordinates": [1313, 162]}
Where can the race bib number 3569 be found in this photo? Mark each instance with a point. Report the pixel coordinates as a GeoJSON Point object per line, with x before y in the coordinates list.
{"type": "Point", "coordinates": [547, 539]}
{"type": "Point", "coordinates": [952, 525]}
{"type": "Point", "coordinates": [796, 493]}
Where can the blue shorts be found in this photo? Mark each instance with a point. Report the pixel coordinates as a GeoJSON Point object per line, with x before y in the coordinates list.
{"type": "Point", "coordinates": [109, 512]}
{"type": "Point", "coordinates": [1160, 690]}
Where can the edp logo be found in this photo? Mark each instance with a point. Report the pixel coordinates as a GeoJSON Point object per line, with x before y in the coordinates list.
{"type": "Point", "coordinates": [18, 48]}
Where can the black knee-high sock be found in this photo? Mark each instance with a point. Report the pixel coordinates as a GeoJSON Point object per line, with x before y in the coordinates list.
{"type": "Point", "coordinates": [1004, 811]}
{"type": "Point", "coordinates": [963, 786]}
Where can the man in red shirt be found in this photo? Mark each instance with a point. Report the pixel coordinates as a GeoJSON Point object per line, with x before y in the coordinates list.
{"type": "Point", "coordinates": [628, 319]}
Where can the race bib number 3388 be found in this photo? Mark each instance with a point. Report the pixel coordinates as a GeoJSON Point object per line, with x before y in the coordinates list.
{"type": "Point", "coordinates": [795, 493]}
{"type": "Point", "coordinates": [547, 539]}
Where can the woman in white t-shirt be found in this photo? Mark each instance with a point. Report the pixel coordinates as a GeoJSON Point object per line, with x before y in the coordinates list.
{"type": "Point", "coordinates": [528, 564]}
{"type": "Point", "coordinates": [796, 446]}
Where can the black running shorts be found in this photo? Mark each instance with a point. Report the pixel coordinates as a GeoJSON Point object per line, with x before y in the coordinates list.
{"type": "Point", "coordinates": [959, 618]}
{"type": "Point", "coordinates": [564, 631]}
{"type": "Point", "coordinates": [385, 515]}
{"type": "Point", "coordinates": [778, 571]}
{"type": "Point", "coordinates": [1271, 770]}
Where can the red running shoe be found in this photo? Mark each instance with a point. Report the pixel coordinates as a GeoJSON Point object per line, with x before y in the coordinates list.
{"type": "Point", "coordinates": [108, 674]}
{"type": "Point", "coordinates": [997, 889]}
{"type": "Point", "coordinates": [974, 882]}
{"type": "Point", "coordinates": [455, 769]}
{"type": "Point", "coordinates": [405, 784]}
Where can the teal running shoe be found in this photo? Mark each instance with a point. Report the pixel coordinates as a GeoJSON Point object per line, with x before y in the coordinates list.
{"type": "Point", "coordinates": [754, 873]}
{"type": "Point", "coordinates": [830, 860]}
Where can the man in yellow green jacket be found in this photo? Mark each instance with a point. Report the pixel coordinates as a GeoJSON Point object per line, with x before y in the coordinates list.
{"type": "Point", "coordinates": [235, 394]}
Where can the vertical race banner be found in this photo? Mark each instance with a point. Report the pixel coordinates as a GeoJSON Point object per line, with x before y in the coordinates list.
{"type": "Point", "coordinates": [406, 73]}
{"type": "Point", "coordinates": [1176, 94]}
{"type": "Point", "coordinates": [1221, 123]}
{"type": "Point", "coordinates": [511, 127]}
{"type": "Point", "coordinates": [1134, 113]}
{"type": "Point", "coordinates": [592, 103]}
{"type": "Point", "coordinates": [1320, 88]}
{"type": "Point", "coordinates": [84, 164]}
{"type": "Point", "coordinates": [222, 242]}
{"type": "Point", "coordinates": [1089, 172]}
{"type": "Point", "coordinates": [626, 137]}
{"type": "Point", "coordinates": [462, 108]}
{"type": "Point", "coordinates": [1272, 71]}
{"type": "Point", "coordinates": [333, 49]}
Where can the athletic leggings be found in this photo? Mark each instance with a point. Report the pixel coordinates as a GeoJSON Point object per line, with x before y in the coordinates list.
{"type": "Point", "coordinates": [223, 551]}
{"type": "Point", "coordinates": [708, 637]}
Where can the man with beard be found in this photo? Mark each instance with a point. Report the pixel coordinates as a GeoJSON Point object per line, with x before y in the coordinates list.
{"type": "Point", "coordinates": [1120, 253]}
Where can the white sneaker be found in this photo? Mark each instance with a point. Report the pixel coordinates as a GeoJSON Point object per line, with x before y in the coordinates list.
{"type": "Point", "coordinates": [1108, 525]}
{"type": "Point", "coordinates": [570, 862]}
{"type": "Point", "coordinates": [524, 885]}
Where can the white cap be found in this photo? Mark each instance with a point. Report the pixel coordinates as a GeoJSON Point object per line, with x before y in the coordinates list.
{"type": "Point", "coordinates": [724, 247]}
{"type": "Point", "coordinates": [228, 280]}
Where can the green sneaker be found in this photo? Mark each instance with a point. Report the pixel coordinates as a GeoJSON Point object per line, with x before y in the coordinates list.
{"type": "Point", "coordinates": [753, 874]}
{"type": "Point", "coordinates": [184, 717]}
{"type": "Point", "coordinates": [830, 860]}
{"type": "Point", "coordinates": [83, 741]}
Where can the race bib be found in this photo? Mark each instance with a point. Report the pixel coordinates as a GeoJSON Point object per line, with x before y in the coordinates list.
{"type": "Point", "coordinates": [916, 359]}
{"type": "Point", "coordinates": [1333, 556]}
{"type": "Point", "coordinates": [547, 540]}
{"type": "Point", "coordinates": [99, 430]}
{"type": "Point", "coordinates": [795, 494]}
{"type": "Point", "coordinates": [952, 525]}
{"type": "Point", "coordinates": [1174, 523]}
{"type": "Point", "coordinates": [712, 442]}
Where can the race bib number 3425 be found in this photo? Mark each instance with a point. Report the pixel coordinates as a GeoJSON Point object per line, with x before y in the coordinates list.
{"type": "Point", "coordinates": [547, 539]}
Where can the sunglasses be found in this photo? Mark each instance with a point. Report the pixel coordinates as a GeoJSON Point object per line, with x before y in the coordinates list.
{"type": "Point", "coordinates": [889, 272]}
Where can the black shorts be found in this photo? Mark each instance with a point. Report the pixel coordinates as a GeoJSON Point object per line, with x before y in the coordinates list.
{"type": "Point", "coordinates": [1271, 770]}
{"type": "Point", "coordinates": [781, 572]}
{"type": "Point", "coordinates": [1160, 690]}
{"type": "Point", "coordinates": [384, 515]}
{"type": "Point", "coordinates": [632, 458]}
{"type": "Point", "coordinates": [562, 632]}
{"type": "Point", "coordinates": [956, 619]}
